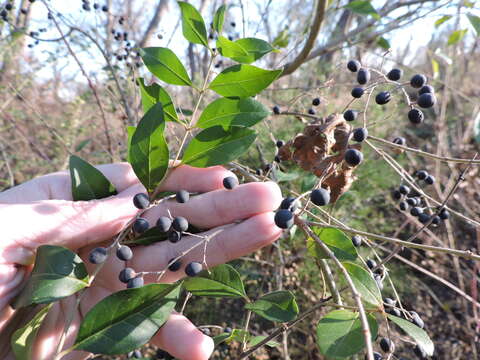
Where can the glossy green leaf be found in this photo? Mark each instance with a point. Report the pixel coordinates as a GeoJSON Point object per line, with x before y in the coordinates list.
{"type": "Point", "coordinates": [130, 131]}
{"type": "Point", "coordinates": [88, 183]}
{"type": "Point", "coordinates": [442, 20]}
{"type": "Point", "coordinates": [127, 319]}
{"type": "Point", "coordinates": [282, 39]}
{"type": "Point", "coordinates": [243, 80]}
{"type": "Point", "coordinates": [148, 151]}
{"type": "Point", "coordinates": [475, 21]}
{"type": "Point", "coordinates": [232, 112]}
{"type": "Point", "coordinates": [193, 26]}
{"type": "Point", "coordinates": [255, 48]}
{"type": "Point", "coordinates": [165, 65]}
{"type": "Point", "coordinates": [362, 7]}
{"type": "Point", "coordinates": [23, 339]}
{"type": "Point", "coordinates": [216, 145]}
{"type": "Point", "coordinates": [257, 339]}
{"type": "Point", "coordinates": [365, 284]}
{"type": "Point", "coordinates": [418, 334]}
{"type": "Point", "coordinates": [336, 240]}
{"type": "Point", "coordinates": [221, 281]}
{"type": "Point", "coordinates": [383, 43]}
{"type": "Point", "coordinates": [57, 273]}
{"type": "Point", "coordinates": [456, 36]}
{"type": "Point", "coordinates": [230, 49]}
{"type": "Point", "coordinates": [340, 334]}
{"type": "Point", "coordinates": [155, 93]}
{"type": "Point", "coordinates": [275, 306]}
{"type": "Point", "coordinates": [219, 18]}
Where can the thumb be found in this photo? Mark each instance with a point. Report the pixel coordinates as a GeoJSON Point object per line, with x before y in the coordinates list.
{"type": "Point", "coordinates": [72, 224]}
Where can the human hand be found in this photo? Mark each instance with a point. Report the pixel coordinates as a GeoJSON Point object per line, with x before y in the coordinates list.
{"type": "Point", "coordinates": [41, 212]}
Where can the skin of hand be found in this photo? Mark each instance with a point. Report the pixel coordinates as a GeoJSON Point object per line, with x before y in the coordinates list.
{"type": "Point", "coordinates": [41, 211]}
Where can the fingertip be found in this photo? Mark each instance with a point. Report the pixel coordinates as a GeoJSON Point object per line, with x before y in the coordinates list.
{"type": "Point", "coordinates": [196, 179]}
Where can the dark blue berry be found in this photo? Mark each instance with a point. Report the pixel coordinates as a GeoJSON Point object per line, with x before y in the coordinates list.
{"type": "Point", "coordinates": [284, 219]}
{"type": "Point", "coordinates": [395, 74]}
{"type": "Point", "coordinates": [140, 225]}
{"type": "Point", "coordinates": [353, 157]}
{"type": "Point", "coordinates": [429, 180]}
{"type": "Point", "coordinates": [288, 203]}
{"type": "Point", "coordinates": [386, 345]}
{"type": "Point", "coordinates": [174, 266]}
{"type": "Point", "coordinates": [371, 263]}
{"type": "Point", "coordinates": [360, 134]}
{"type": "Point", "coordinates": [353, 65]}
{"type": "Point", "coordinates": [180, 224]}
{"type": "Point", "coordinates": [417, 320]}
{"type": "Point", "coordinates": [426, 100]}
{"type": "Point", "coordinates": [174, 236]}
{"type": "Point", "coordinates": [426, 89]}
{"type": "Point", "coordinates": [363, 76]}
{"type": "Point", "coordinates": [412, 201]}
{"type": "Point", "coordinates": [383, 97]}
{"type": "Point", "coordinates": [444, 214]}
{"type": "Point", "coordinates": [399, 141]}
{"type": "Point", "coordinates": [126, 274]}
{"type": "Point", "coordinates": [141, 201]}
{"type": "Point", "coordinates": [311, 111]}
{"type": "Point", "coordinates": [280, 143]}
{"type": "Point", "coordinates": [193, 269]}
{"type": "Point", "coordinates": [104, 8]}
{"type": "Point", "coordinates": [230, 182]}
{"type": "Point", "coordinates": [98, 255]}
{"type": "Point", "coordinates": [320, 197]}
{"type": "Point", "coordinates": [397, 195]}
{"type": "Point", "coordinates": [350, 115]}
{"type": "Point", "coordinates": [415, 116]}
{"type": "Point", "coordinates": [276, 110]}
{"type": "Point", "coordinates": [124, 253]}
{"type": "Point", "coordinates": [357, 240]}
{"type": "Point", "coordinates": [417, 81]}
{"type": "Point", "coordinates": [182, 196]}
{"type": "Point", "coordinates": [316, 102]}
{"type": "Point", "coordinates": [164, 223]}
{"type": "Point", "coordinates": [136, 282]}
{"type": "Point", "coordinates": [403, 205]}
{"type": "Point", "coordinates": [423, 218]}
{"type": "Point", "coordinates": [376, 356]}
{"type": "Point", "coordinates": [421, 174]}
{"type": "Point", "coordinates": [416, 211]}
{"type": "Point", "coordinates": [404, 189]}
{"type": "Point", "coordinates": [436, 220]}
{"type": "Point", "coordinates": [357, 92]}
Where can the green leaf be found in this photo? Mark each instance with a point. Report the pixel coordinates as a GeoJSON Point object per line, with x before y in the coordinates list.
{"type": "Point", "coordinates": [217, 340]}
{"type": "Point", "coordinates": [88, 183]}
{"type": "Point", "coordinates": [340, 334]}
{"type": "Point", "coordinates": [216, 145]}
{"type": "Point", "coordinates": [475, 21]}
{"type": "Point", "coordinates": [257, 339]}
{"type": "Point", "coordinates": [148, 151]}
{"type": "Point", "coordinates": [243, 80]}
{"type": "Point", "coordinates": [435, 68]}
{"type": "Point", "coordinates": [362, 7]}
{"type": "Point", "coordinates": [232, 112]}
{"type": "Point", "coordinates": [383, 43]}
{"type": "Point", "coordinates": [127, 319]}
{"type": "Point", "coordinates": [365, 284]}
{"type": "Point", "coordinates": [165, 65]}
{"type": "Point", "coordinates": [82, 144]}
{"type": "Point", "coordinates": [442, 20]}
{"type": "Point", "coordinates": [57, 273]}
{"type": "Point", "coordinates": [275, 306]}
{"type": "Point", "coordinates": [219, 18]}
{"type": "Point", "coordinates": [23, 339]}
{"type": "Point", "coordinates": [456, 36]}
{"type": "Point", "coordinates": [418, 334]}
{"type": "Point", "coordinates": [255, 48]}
{"type": "Point", "coordinates": [130, 132]}
{"type": "Point", "coordinates": [282, 39]}
{"type": "Point", "coordinates": [285, 177]}
{"type": "Point", "coordinates": [193, 26]}
{"type": "Point", "coordinates": [336, 240]}
{"type": "Point", "coordinates": [230, 49]}
{"type": "Point", "coordinates": [155, 93]}
{"type": "Point", "coordinates": [221, 281]}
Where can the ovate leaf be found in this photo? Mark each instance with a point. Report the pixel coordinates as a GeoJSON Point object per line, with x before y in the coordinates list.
{"type": "Point", "coordinates": [221, 281]}
{"type": "Point", "coordinates": [130, 131]}
{"type": "Point", "coordinates": [219, 18]}
{"type": "Point", "coordinates": [155, 93]}
{"type": "Point", "coordinates": [257, 339]}
{"type": "Point", "coordinates": [383, 43]}
{"type": "Point", "coordinates": [336, 240]}
{"type": "Point", "coordinates": [418, 334]}
{"type": "Point", "coordinates": [255, 48]}
{"type": "Point", "coordinates": [362, 7]}
{"type": "Point", "coordinates": [282, 39]}
{"type": "Point", "coordinates": [230, 49]}
{"type": "Point", "coordinates": [456, 36]}
{"type": "Point", "coordinates": [365, 284]}
{"type": "Point", "coordinates": [193, 26]}
{"type": "Point", "coordinates": [165, 65]}
{"type": "Point", "coordinates": [232, 112]}
{"type": "Point", "coordinates": [243, 80]}
{"type": "Point", "coordinates": [278, 306]}
{"type": "Point", "coordinates": [442, 20]}
{"type": "Point", "coordinates": [126, 319]}
{"type": "Point", "coordinates": [148, 151]}
{"type": "Point", "coordinates": [57, 273]}
{"type": "Point", "coordinates": [216, 145]}
{"type": "Point", "coordinates": [340, 334]}
{"type": "Point", "coordinates": [475, 21]}
{"type": "Point", "coordinates": [23, 339]}
{"type": "Point", "coordinates": [88, 183]}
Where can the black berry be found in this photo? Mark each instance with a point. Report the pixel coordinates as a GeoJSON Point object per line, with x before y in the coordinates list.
{"type": "Point", "coordinates": [400, 141]}
{"type": "Point", "coordinates": [415, 116]}
{"type": "Point", "coordinates": [276, 110]}
{"type": "Point", "coordinates": [353, 157]}
{"type": "Point", "coordinates": [280, 143]}
{"type": "Point", "coordinates": [353, 65]}
{"type": "Point", "coordinates": [104, 8]}
{"type": "Point", "coordinates": [182, 196]}
{"type": "Point", "coordinates": [350, 115]}
{"type": "Point", "coordinates": [371, 263]}
{"type": "Point", "coordinates": [357, 240]}
{"type": "Point", "coordinates": [276, 159]}
{"type": "Point", "coordinates": [174, 266]}
{"type": "Point", "coordinates": [394, 311]}
{"type": "Point", "coordinates": [284, 218]}
{"type": "Point", "coordinates": [357, 92]}
{"type": "Point", "coordinates": [376, 356]}
{"type": "Point", "coordinates": [389, 301]}
{"type": "Point", "coordinates": [396, 194]}
{"type": "Point", "coordinates": [174, 236]}
{"type": "Point", "coordinates": [180, 224]}
{"type": "Point", "coordinates": [230, 182]}
{"type": "Point", "coordinates": [444, 214]}
{"type": "Point", "coordinates": [126, 274]}
{"type": "Point", "coordinates": [382, 98]}
{"type": "Point", "coordinates": [423, 218]}
{"type": "Point", "coordinates": [395, 74]}
{"type": "Point", "coordinates": [316, 102]}
{"type": "Point", "coordinates": [426, 100]}
{"type": "Point", "coordinates": [387, 345]}
{"type": "Point", "coordinates": [417, 320]}
{"type": "Point", "coordinates": [141, 201]}
{"type": "Point", "coordinates": [413, 201]}
{"type": "Point", "coordinates": [288, 203]}
{"type": "Point", "coordinates": [98, 255]}
{"type": "Point", "coordinates": [124, 253]}
{"type": "Point", "coordinates": [140, 225]}
{"type": "Point", "coordinates": [164, 223]}
{"type": "Point", "coordinates": [426, 89]}
{"type": "Point", "coordinates": [421, 354]}
{"type": "Point", "coordinates": [193, 269]}
{"type": "Point", "coordinates": [363, 76]}
{"type": "Point", "coordinates": [429, 180]}
{"type": "Point", "coordinates": [403, 205]}
{"type": "Point", "coordinates": [417, 81]}
{"type": "Point", "coordinates": [404, 189]}
{"type": "Point", "coordinates": [136, 282]}
{"type": "Point", "coordinates": [360, 134]}
{"type": "Point", "coordinates": [311, 111]}
{"type": "Point", "coordinates": [416, 211]}
{"type": "Point", "coordinates": [421, 174]}
{"type": "Point", "coordinates": [320, 197]}
{"type": "Point", "coordinates": [436, 220]}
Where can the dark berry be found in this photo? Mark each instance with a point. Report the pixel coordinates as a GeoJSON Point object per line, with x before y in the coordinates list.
{"type": "Point", "coordinates": [288, 203]}
{"type": "Point", "coordinates": [174, 236]}
{"type": "Point", "coordinates": [353, 65]}
{"type": "Point", "coordinates": [276, 159]}
{"type": "Point", "coordinates": [417, 320]}
{"type": "Point", "coordinates": [174, 266]}
{"type": "Point", "coordinates": [395, 74]}
{"type": "Point", "coordinates": [284, 218]}
{"type": "Point", "coordinates": [426, 100]}
{"type": "Point", "coordinates": [444, 214]}
{"type": "Point", "coordinates": [276, 110]}
{"type": "Point", "coordinates": [126, 274]}
{"type": "Point", "coordinates": [230, 182]}
{"type": "Point", "coordinates": [426, 89]}
{"type": "Point", "coordinates": [357, 92]}
{"type": "Point", "coordinates": [8, 7]}
{"type": "Point", "coordinates": [394, 311]}
{"type": "Point", "coordinates": [98, 255]}
{"type": "Point", "coordinates": [376, 356]}
{"type": "Point", "coordinates": [137, 354]}
{"type": "Point", "coordinates": [141, 201]}
{"type": "Point", "coordinates": [382, 98]}
{"type": "Point", "coordinates": [316, 102]}
{"type": "Point", "coordinates": [423, 218]}
{"type": "Point", "coordinates": [360, 134]}
{"type": "Point", "coordinates": [104, 8]}
{"type": "Point", "coordinates": [136, 282]}
{"type": "Point", "coordinates": [396, 194]}
{"type": "Point", "coordinates": [371, 263]}
{"type": "Point", "coordinates": [280, 143]}
{"type": "Point", "coordinates": [320, 197]}
{"type": "Point", "coordinates": [399, 141]}
{"type": "Point", "coordinates": [403, 205]}
{"type": "Point", "coordinates": [233, 24]}
{"type": "Point", "coordinates": [182, 196]}
{"type": "Point", "coordinates": [421, 174]}
{"type": "Point", "coordinates": [429, 180]}
{"type": "Point", "coordinates": [413, 201]}
{"type": "Point", "coordinates": [164, 223]}
{"type": "Point", "coordinates": [363, 76]}
{"type": "Point", "coordinates": [386, 345]}
{"type": "Point", "coordinates": [389, 301]}
{"type": "Point", "coordinates": [404, 189]}
{"type": "Point", "coordinates": [180, 224]}
{"type": "Point", "coordinates": [415, 116]}
{"type": "Point", "coordinates": [350, 115]}
{"type": "Point", "coordinates": [140, 225]}
{"type": "Point", "coordinates": [228, 330]}
{"type": "Point", "coordinates": [416, 211]}
{"type": "Point", "coordinates": [124, 253]}
{"type": "Point", "coordinates": [421, 354]}
{"type": "Point", "coordinates": [353, 157]}
{"type": "Point", "coordinates": [357, 240]}
{"type": "Point", "coordinates": [86, 7]}
{"type": "Point", "coordinates": [417, 81]}
{"type": "Point", "coordinates": [259, 172]}
{"type": "Point", "coordinates": [193, 269]}
{"type": "Point", "coordinates": [24, 11]}
{"type": "Point", "coordinates": [436, 220]}
{"type": "Point", "coordinates": [311, 111]}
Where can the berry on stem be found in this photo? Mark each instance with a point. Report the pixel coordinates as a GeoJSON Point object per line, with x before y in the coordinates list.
{"type": "Point", "coordinates": [350, 115]}
{"type": "Point", "coordinates": [360, 134]}
{"type": "Point", "coordinates": [280, 143]}
{"type": "Point", "coordinates": [193, 269]}
{"type": "Point", "coordinates": [182, 196]}
{"type": "Point", "coordinates": [353, 65]}
{"type": "Point", "coordinates": [141, 201]}
{"type": "Point", "coordinates": [363, 76]}
{"type": "Point", "coordinates": [316, 102]}
{"type": "Point", "coordinates": [230, 182]}
{"type": "Point", "coordinates": [288, 203]}
{"type": "Point", "coordinates": [311, 111]}
{"type": "Point", "coordinates": [371, 263]}
{"type": "Point", "coordinates": [98, 255]}
{"type": "Point", "coordinates": [421, 174]}
{"type": "Point", "coordinates": [387, 345]}
{"type": "Point", "coordinates": [140, 225]}
{"type": "Point", "coordinates": [417, 320]}
{"type": "Point", "coordinates": [357, 92]}
{"type": "Point", "coordinates": [126, 274]}
{"type": "Point", "coordinates": [417, 81]}
{"type": "Point", "coordinates": [399, 141]}
{"type": "Point", "coordinates": [429, 180]}
{"type": "Point", "coordinates": [136, 282]}
{"type": "Point", "coordinates": [395, 74]}
{"type": "Point", "coordinates": [180, 224]}
{"type": "Point", "coordinates": [423, 218]}
{"type": "Point", "coordinates": [415, 116]}
{"type": "Point", "coordinates": [396, 194]}
{"type": "Point", "coordinates": [403, 205]}
{"type": "Point", "coordinates": [174, 236]}
{"type": "Point", "coordinates": [416, 211]}
{"type": "Point", "coordinates": [174, 266]}
{"type": "Point", "coordinates": [164, 223]}
{"type": "Point", "coordinates": [276, 110]}
{"type": "Point", "coordinates": [404, 189]}
{"type": "Point", "coordinates": [124, 253]}
{"type": "Point", "coordinates": [426, 89]}
{"type": "Point", "coordinates": [284, 219]}
{"type": "Point", "coordinates": [426, 100]}
{"type": "Point", "coordinates": [357, 240]}
{"type": "Point", "coordinates": [320, 197]}
{"type": "Point", "coordinates": [382, 98]}
{"type": "Point", "coordinates": [353, 157]}
{"type": "Point", "coordinates": [444, 214]}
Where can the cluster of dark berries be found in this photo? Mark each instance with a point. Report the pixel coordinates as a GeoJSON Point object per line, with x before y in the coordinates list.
{"type": "Point", "coordinates": [378, 272]}
{"type": "Point", "coordinates": [284, 216]}
{"type": "Point", "coordinates": [363, 77]}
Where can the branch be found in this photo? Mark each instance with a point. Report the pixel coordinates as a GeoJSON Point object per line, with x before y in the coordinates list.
{"type": "Point", "coordinates": [317, 22]}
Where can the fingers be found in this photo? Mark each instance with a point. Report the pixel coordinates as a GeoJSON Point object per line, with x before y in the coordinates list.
{"type": "Point", "coordinates": [230, 242]}
{"type": "Point", "coordinates": [179, 337]}
{"type": "Point", "coordinates": [223, 206]}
